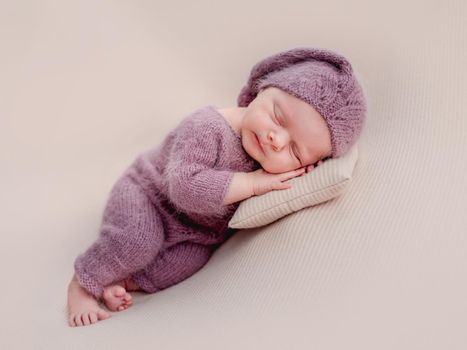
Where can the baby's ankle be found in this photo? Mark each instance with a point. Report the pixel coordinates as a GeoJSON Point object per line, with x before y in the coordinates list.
{"type": "Point", "coordinates": [130, 284]}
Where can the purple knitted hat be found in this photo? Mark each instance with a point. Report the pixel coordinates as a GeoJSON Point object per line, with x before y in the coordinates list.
{"type": "Point", "coordinates": [322, 78]}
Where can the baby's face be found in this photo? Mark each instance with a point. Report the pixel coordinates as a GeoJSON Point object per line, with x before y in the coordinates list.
{"type": "Point", "coordinates": [283, 132]}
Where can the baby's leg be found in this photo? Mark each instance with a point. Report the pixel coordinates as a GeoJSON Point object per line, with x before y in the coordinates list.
{"type": "Point", "coordinates": [131, 235]}
{"type": "Point", "coordinates": [172, 266]}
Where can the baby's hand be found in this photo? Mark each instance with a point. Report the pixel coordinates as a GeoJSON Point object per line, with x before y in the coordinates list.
{"type": "Point", "coordinates": [263, 182]}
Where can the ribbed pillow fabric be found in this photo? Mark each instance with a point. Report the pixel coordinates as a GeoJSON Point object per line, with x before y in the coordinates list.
{"type": "Point", "coordinates": [325, 182]}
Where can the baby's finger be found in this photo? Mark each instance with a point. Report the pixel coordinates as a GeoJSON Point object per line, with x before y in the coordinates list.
{"type": "Point", "coordinates": [297, 172]}
{"type": "Point", "coordinates": [279, 184]}
{"type": "Point", "coordinates": [283, 186]}
{"type": "Point", "coordinates": [291, 174]}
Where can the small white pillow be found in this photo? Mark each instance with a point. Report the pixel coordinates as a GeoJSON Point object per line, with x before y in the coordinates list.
{"type": "Point", "coordinates": [323, 183]}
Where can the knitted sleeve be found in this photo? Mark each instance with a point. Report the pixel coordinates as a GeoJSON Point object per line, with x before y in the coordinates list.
{"type": "Point", "coordinates": [194, 183]}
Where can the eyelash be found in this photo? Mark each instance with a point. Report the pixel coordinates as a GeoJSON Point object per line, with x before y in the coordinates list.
{"type": "Point", "coordinates": [278, 122]}
{"type": "Point", "coordinates": [277, 119]}
{"type": "Point", "coordinates": [295, 154]}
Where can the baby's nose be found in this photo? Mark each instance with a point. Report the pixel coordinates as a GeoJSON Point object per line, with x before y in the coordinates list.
{"type": "Point", "coordinates": [278, 141]}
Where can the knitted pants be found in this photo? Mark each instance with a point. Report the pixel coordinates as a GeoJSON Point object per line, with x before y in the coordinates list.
{"type": "Point", "coordinates": [130, 244]}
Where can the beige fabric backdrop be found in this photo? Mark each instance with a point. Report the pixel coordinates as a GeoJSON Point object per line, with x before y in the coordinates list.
{"type": "Point", "coordinates": [86, 85]}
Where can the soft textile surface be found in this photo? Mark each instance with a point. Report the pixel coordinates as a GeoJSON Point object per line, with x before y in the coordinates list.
{"type": "Point", "coordinates": [86, 85]}
{"type": "Point", "coordinates": [325, 182]}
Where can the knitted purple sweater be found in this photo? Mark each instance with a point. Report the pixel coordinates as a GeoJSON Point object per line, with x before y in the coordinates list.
{"type": "Point", "coordinates": [174, 192]}
{"type": "Point", "coordinates": [187, 176]}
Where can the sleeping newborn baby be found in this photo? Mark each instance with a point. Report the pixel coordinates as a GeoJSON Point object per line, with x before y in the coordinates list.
{"type": "Point", "coordinates": [170, 209]}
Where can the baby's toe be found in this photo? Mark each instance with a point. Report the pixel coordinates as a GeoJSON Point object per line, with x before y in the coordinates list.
{"type": "Point", "coordinates": [102, 314]}
{"type": "Point", "coordinates": [93, 317]}
{"type": "Point", "coordinates": [86, 319]}
{"type": "Point", "coordinates": [71, 320]}
{"type": "Point", "coordinates": [78, 320]}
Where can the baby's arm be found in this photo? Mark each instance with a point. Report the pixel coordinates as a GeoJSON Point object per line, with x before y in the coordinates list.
{"type": "Point", "coordinates": [258, 182]}
{"type": "Point", "coordinates": [240, 188]}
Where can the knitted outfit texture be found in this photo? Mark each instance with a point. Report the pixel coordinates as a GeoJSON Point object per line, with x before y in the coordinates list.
{"type": "Point", "coordinates": [164, 216]}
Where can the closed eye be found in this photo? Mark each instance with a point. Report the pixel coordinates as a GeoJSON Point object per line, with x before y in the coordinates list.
{"type": "Point", "coordinates": [275, 117]}
{"type": "Point", "coordinates": [295, 155]}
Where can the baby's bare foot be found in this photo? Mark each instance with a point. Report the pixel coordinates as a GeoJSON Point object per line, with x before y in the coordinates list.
{"type": "Point", "coordinates": [116, 298]}
{"type": "Point", "coordinates": [83, 308]}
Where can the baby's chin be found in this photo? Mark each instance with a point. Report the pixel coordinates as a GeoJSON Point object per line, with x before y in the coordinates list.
{"type": "Point", "coordinates": [275, 169]}
{"type": "Point", "coordinates": [272, 168]}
